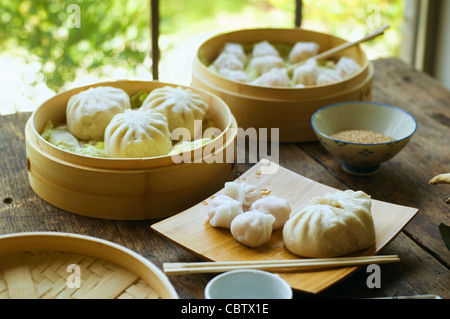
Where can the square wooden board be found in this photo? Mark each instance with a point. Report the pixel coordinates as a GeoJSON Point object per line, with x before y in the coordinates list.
{"type": "Point", "coordinates": [191, 228]}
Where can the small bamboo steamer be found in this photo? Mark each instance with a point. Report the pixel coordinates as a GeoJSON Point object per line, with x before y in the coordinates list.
{"type": "Point", "coordinates": [289, 109]}
{"type": "Point", "coordinates": [127, 189]}
{"type": "Point", "coordinates": [34, 265]}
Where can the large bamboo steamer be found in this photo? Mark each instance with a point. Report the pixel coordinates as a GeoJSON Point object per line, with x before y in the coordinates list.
{"type": "Point", "coordinates": [127, 189]}
{"type": "Point", "coordinates": [33, 265]}
{"type": "Point", "coordinates": [288, 109]}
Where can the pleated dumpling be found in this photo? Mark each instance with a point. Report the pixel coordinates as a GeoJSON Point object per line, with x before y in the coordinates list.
{"type": "Point", "coordinates": [90, 111]}
{"type": "Point", "coordinates": [137, 133]}
{"type": "Point", "coordinates": [347, 67]}
{"type": "Point", "coordinates": [243, 192]}
{"type": "Point", "coordinates": [181, 107]}
{"type": "Point", "coordinates": [306, 73]}
{"type": "Point", "coordinates": [265, 63]}
{"type": "Point", "coordinates": [222, 210]}
{"type": "Point", "coordinates": [252, 228]}
{"type": "Point", "coordinates": [303, 51]}
{"type": "Point", "coordinates": [236, 49]}
{"type": "Point", "coordinates": [272, 78]}
{"type": "Point", "coordinates": [328, 76]}
{"type": "Point", "coordinates": [264, 48]}
{"type": "Point", "coordinates": [276, 206]}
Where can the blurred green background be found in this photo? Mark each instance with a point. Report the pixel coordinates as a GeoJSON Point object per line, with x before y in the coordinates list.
{"type": "Point", "coordinates": [47, 46]}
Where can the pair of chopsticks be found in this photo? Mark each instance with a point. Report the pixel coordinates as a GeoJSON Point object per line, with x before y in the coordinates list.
{"type": "Point", "coordinates": [275, 265]}
{"type": "Point", "coordinates": [329, 53]}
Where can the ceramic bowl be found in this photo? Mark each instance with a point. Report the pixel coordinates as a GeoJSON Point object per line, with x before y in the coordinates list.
{"type": "Point", "coordinates": [248, 284]}
{"type": "Point", "coordinates": [361, 158]}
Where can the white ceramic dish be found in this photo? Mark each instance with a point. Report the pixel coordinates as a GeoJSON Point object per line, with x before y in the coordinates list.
{"type": "Point", "coordinates": [248, 284]}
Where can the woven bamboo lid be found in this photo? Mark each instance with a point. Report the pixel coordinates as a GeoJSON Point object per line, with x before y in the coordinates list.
{"type": "Point", "coordinates": [50, 265]}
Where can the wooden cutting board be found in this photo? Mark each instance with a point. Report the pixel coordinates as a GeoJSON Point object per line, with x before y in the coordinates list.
{"type": "Point", "coordinates": [191, 228]}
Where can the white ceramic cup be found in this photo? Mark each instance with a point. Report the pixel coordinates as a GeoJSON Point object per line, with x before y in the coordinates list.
{"type": "Point", "coordinates": [248, 284]}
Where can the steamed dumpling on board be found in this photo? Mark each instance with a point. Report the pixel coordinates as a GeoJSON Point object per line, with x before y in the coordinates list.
{"type": "Point", "coordinates": [346, 67]}
{"type": "Point", "coordinates": [276, 206]}
{"type": "Point", "coordinates": [181, 107]}
{"type": "Point", "coordinates": [137, 133]}
{"type": "Point", "coordinates": [264, 48]}
{"type": "Point", "coordinates": [252, 228]}
{"type": "Point", "coordinates": [222, 210]}
{"type": "Point", "coordinates": [90, 111]}
{"type": "Point", "coordinates": [243, 192]}
{"type": "Point", "coordinates": [302, 51]}
{"type": "Point", "coordinates": [274, 77]}
{"type": "Point", "coordinates": [306, 73]}
{"type": "Point", "coordinates": [331, 225]}
{"type": "Point", "coordinates": [266, 63]}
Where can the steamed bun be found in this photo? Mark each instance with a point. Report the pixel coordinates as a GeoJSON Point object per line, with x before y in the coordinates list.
{"type": "Point", "coordinates": [181, 107]}
{"type": "Point", "coordinates": [90, 111]}
{"type": "Point", "coordinates": [331, 225]}
{"type": "Point", "coordinates": [137, 133]}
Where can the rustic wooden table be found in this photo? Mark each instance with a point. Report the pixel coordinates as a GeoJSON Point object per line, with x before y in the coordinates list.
{"type": "Point", "coordinates": [425, 260]}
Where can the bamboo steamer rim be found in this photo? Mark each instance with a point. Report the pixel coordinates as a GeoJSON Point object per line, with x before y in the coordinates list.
{"type": "Point", "coordinates": [260, 34]}
{"type": "Point", "coordinates": [32, 142]}
{"type": "Point", "coordinates": [103, 162]}
{"type": "Point", "coordinates": [215, 88]}
{"type": "Point", "coordinates": [82, 244]}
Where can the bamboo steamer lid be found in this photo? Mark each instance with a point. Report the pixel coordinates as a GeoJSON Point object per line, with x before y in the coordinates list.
{"type": "Point", "coordinates": [128, 189]}
{"type": "Point", "coordinates": [286, 108]}
{"type": "Point", "coordinates": [35, 265]}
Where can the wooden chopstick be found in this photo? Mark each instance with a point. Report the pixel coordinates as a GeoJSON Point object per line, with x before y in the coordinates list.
{"type": "Point", "coordinates": [182, 268]}
{"type": "Point", "coordinates": [329, 53]}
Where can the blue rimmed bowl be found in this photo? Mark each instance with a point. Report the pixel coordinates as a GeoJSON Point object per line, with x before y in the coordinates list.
{"type": "Point", "coordinates": [363, 158]}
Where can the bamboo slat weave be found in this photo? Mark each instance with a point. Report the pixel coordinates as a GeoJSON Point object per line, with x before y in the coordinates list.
{"type": "Point", "coordinates": [45, 275]}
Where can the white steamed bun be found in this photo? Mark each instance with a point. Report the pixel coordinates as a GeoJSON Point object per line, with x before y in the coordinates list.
{"type": "Point", "coordinates": [331, 225]}
{"type": "Point", "coordinates": [181, 107]}
{"type": "Point", "coordinates": [90, 111]}
{"type": "Point", "coordinates": [137, 133]}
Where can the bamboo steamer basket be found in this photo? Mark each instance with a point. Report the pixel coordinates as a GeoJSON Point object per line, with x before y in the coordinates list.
{"type": "Point", "coordinates": [286, 108]}
{"type": "Point", "coordinates": [127, 189]}
{"type": "Point", "coordinates": [36, 265]}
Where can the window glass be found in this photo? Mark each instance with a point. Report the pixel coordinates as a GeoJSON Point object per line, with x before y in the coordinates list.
{"type": "Point", "coordinates": [352, 19]}
{"type": "Point", "coordinates": [186, 24]}
{"type": "Point", "coordinates": [47, 46]}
